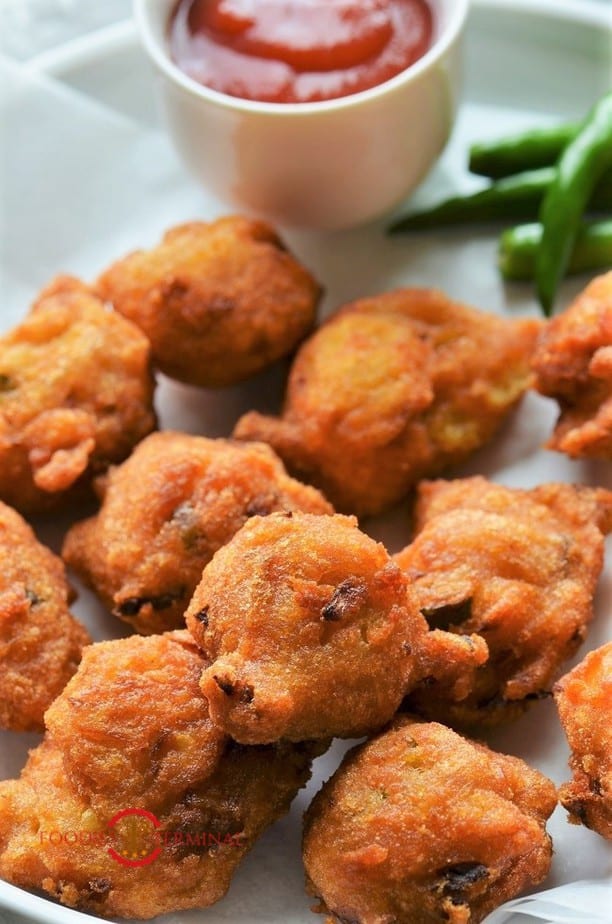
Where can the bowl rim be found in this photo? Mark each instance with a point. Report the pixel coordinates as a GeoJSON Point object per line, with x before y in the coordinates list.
{"type": "Point", "coordinates": [147, 28]}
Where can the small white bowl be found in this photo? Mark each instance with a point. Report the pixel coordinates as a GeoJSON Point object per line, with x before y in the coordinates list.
{"type": "Point", "coordinates": [324, 165]}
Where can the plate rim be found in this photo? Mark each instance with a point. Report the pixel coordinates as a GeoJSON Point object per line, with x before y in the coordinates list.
{"type": "Point", "coordinates": [57, 63]}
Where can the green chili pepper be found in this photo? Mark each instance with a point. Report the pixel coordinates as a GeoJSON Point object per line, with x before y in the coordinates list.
{"type": "Point", "coordinates": [515, 198]}
{"type": "Point", "coordinates": [528, 150]}
{"type": "Point", "coordinates": [580, 167]}
{"type": "Point", "coordinates": [518, 248]}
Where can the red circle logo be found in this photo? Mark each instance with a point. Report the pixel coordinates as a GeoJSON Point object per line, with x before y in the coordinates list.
{"type": "Point", "coordinates": [134, 858]}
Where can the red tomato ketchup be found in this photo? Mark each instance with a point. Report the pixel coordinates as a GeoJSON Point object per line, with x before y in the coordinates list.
{"type": "Point", "coordinates": [297, 51]}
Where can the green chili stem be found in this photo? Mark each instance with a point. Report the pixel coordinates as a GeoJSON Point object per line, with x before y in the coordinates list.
{"type": "Point", "coordinates": [581, 165]}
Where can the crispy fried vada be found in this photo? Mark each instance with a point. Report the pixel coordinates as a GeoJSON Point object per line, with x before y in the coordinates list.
{"type": "Point", "coordinates": [219, 301]}
{"type": "Point", "coordinates": [166, 511]}
{"type": "Point", "coordinates": [40, 641]}
{"type": "Point", "coordinates": [573, 365]}
{"type": "Point", "coordinates": [392, 389]}
{"type": "Point", "coordinates": [76, 395]}
{"type": "Point", "coordinates": [200, 800]}
{"type": "Point", "coordinates": [420, 825]}
{"type": "Point", "coordinates": [517, 568]}
{"type": "Point", "coordinates": [311, 629]}
{"type": "Point", "coordinates": [584, 701]}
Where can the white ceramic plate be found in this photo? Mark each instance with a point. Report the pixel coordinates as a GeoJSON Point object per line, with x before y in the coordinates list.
{"type": "Point", "coordinates": [526, 62]}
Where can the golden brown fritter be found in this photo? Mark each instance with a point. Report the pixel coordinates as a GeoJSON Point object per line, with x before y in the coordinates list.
{"type": "Point", "coordinates": [76, 395]}
{"type": "Point", "coordinates": [517, 568]}
{"type": "Point", "coordinates": [132, 725]}
{"type": "Point", "coordinates": [132, 731]}
{"type": "Point", "coordinates": [166, 511]}
{"type": "Point", "coordinates": [573, 364]}
{"type": "Point", "coordinates": [219, 301]}
{"type": "Point", "coordinates": [40, 641]}
{"type": "Point", "coordinates": [311, 629]}
{"type": "Point", "coordinates": [584, 701]}
{"type": "Point", "coordinates": [392, 389]}
{"type": "Point", "coordinates": [420, 826]}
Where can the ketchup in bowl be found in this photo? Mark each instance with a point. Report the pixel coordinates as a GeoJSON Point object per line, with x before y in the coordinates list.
{"type": "Point", "coordinates": [297, 51]}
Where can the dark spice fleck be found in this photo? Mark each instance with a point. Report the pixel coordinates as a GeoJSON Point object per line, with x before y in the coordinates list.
{"type": "Point", "coordinates": [246, 694]}
{"type": "Point", "coordinates": [579, 810]}
{"type": "Point", "coordinates": [225, 685]}
{"type": "Point", "coordinates": [259, 507]}
{"type": "Point", "coordinates": [6, 383]}
{"type": "Point", "coordinates": [459, 877]}
{"type": "Point", "coordinates": [448, 614]}
{"type": "Point", "coordinates": [492, 702]}
{"type": "Point", "coordinates": [32, 596]}
{"type": "Point", "coordinates": [539, 694]}
{"type": "Point", "coordinates": [133, 605]}
{"type": "Point", "coordinates": [346, 596]}
{"type": "Point", "coordinates": [187, 519]}
{"type": "Point", "coordinates": [595, 786]}
{"type": "Point", "coordinates": [202, 616]}
{"type": "Point", "coordinates": [99, 887]}
{"type": "Point", "coordinates": [165, 600]}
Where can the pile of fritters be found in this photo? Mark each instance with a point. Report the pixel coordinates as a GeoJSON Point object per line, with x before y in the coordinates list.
{"type": "Point", "coordinates": [166, 755]}
{"type": "Point", "coordinates": [132, 730]}
{"type": "Point", "coordinates": [166, 511]}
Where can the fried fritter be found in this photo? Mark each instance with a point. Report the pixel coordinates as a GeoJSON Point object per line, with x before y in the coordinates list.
{"type": "Point", "coordinates": [311, 629]}
{"type": "Point", "coordinates": [107, 750]}
{"type": "Point", "coordinates": [76, 395]}
{"type": "Point", "coordinates": [517, 568]}
{"type": "Point", "coordinates": [584, 701]}
{"type": "Point", "coordinates": [420, 826]}
{"type": "Point", "coordinates": [392, 389]}
{"type": "Point", "coordinates": [219, 301]}
{"type": "Point", "coordinates": [166, 511]}
{"type": "Point", "coordinates": [573, 364]}
{"type": "Point", "coordinates": [40, 641]}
